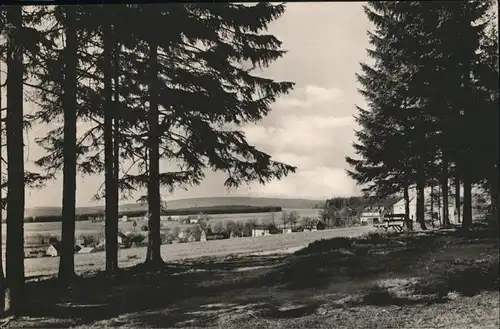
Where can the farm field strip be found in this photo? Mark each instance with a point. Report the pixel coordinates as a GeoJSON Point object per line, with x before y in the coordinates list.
{"type": "Point", "coordinates": [87, 227]}
{"type": "Point", "coordinates": [130, 257]}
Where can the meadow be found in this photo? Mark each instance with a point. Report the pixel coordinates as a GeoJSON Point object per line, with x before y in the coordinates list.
{"type": "Point", "coordinates": [92, 228]}
{"type": "Point", "coordinates": [128, 257]}
{"type": "Point", "coordinates": [433, 279]}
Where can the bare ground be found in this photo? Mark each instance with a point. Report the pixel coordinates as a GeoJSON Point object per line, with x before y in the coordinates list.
{"type": "Point", "coordinates": [439, 279]}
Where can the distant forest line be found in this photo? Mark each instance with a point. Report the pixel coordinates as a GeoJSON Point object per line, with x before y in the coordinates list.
{"type": "Point", "coordinates": [211, 210]}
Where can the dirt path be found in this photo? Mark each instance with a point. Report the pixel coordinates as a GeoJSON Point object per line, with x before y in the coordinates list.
{"type": "Point", "coordinates": [130, 257]}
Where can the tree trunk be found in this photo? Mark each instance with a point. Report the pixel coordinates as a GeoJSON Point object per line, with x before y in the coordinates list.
{"type": "Point", "coordinates": [439, 206]}
{"type": "Point", "coordinates": [467, 216]}
{"type": "Point", "coordinates": [457, 198]}
{"type": "Point", "coordinates": [15, 158]}
{"type": "Point", "coordinates": [2, 277]}
{"type": "Point", "coordinates": [111, 215]}
{"type": "Point", "coordinates": [154, 200]}
{"type": "Point", "coordinates": [67, 260]}
{"type": "Point", "coordinates": [116, 149]}
{"type": "Point", "coordinates": [466, 158]}
{"type": "Point", "coordinates": [421, 202]}
{"type": "Point", "coordinates": [445, 191]}
{"type": "Point", "coordinates": [495, 200]}
{"type": "Point", "coordinates": [406, 195]}
{"type": "Point", "coordinates": [432, 204]}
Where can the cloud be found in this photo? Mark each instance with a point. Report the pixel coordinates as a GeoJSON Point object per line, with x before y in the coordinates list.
{"type": "Point", "coordinates": [310, 96]}
{"type": "Point", "coordinates": [306, 130]}
{"type": "Point", "coordinates": [316, 183]}
{"type": "Point", "coordinates": [300, 134]}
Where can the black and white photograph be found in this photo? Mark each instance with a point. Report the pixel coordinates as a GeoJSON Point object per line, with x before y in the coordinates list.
{"type": "Point", "coordinates": [315, 164]}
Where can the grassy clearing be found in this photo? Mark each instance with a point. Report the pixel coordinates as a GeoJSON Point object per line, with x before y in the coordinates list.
{"type": "Point", "coordinates": [35, 267]}
{"type": "Point", "coordinates": [439, 279]}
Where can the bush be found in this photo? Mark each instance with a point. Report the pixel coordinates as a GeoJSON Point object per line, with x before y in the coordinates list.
{"type": "Point", "coordinates": [379, 237]}
{"type": "Point", "coordinates": [136, 238]}
{"type": "Point", "coordinates": [235, 228]}
{"type": "Point", "coordinates": [323, 245]}
{"type": "Point", "coordinates": [35, 240]}
{"type": "Point", "coordinates": [218, 228]}
{"type": "Point", "coordinates": [247, 229]}
{"type": "Point", "coordinates": [144, 228]}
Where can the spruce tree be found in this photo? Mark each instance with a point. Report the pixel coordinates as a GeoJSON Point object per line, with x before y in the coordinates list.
{"type": "Point", "coordinates": [15, 159]}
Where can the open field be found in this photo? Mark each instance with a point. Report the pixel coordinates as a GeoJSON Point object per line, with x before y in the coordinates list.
{"type": "Point", "coordinates": [87, 227]}
{"type": "Point", "coordinates": [437, 279]}
{"type": "Point", "coordinates": [133, 256]}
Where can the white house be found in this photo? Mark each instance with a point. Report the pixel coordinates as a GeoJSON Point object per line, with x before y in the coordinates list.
{"type": "Point", "coordinates": [54, 250]}
{"type": "Point", "coordinates": [260, 230]}
{"type": "Point", "coordinates": [371, 215]}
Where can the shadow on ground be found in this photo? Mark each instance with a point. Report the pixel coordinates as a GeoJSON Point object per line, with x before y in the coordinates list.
{"type": "Point", "coordinates": [376, 270]}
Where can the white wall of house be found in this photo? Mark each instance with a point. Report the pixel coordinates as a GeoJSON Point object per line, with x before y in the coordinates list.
{"type": "Point", "coordinates": [52, 251]}
{"type": "Point", "coordinates": [260, 232]}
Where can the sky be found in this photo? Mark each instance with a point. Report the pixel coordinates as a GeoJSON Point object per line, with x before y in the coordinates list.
{"type": "Point", "coordinates": [311, 128]}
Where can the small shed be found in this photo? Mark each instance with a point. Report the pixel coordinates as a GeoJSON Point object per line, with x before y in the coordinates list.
{"type": "Point", "coordinates": [54, 250]}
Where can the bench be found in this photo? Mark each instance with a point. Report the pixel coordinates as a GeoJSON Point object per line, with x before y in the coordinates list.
{"type": "Point", "coordinates": [392, 221]}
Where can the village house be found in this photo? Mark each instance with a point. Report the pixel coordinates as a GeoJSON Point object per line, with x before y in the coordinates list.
{"type": "Point", "coordinates": [122, 238]}
{"type": "Point", "coordinates": [260, 230]}
{"type": "Point", "coordinates": [317, 226]}
{"type": "Point", "coordinates": [371, 215]}
{"type": "Point", "coordinates": [263, 230]}
{"type": "Point", "coordinates": [54, 249]}
{"type": "Point", "coordinates": [209, 235]}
